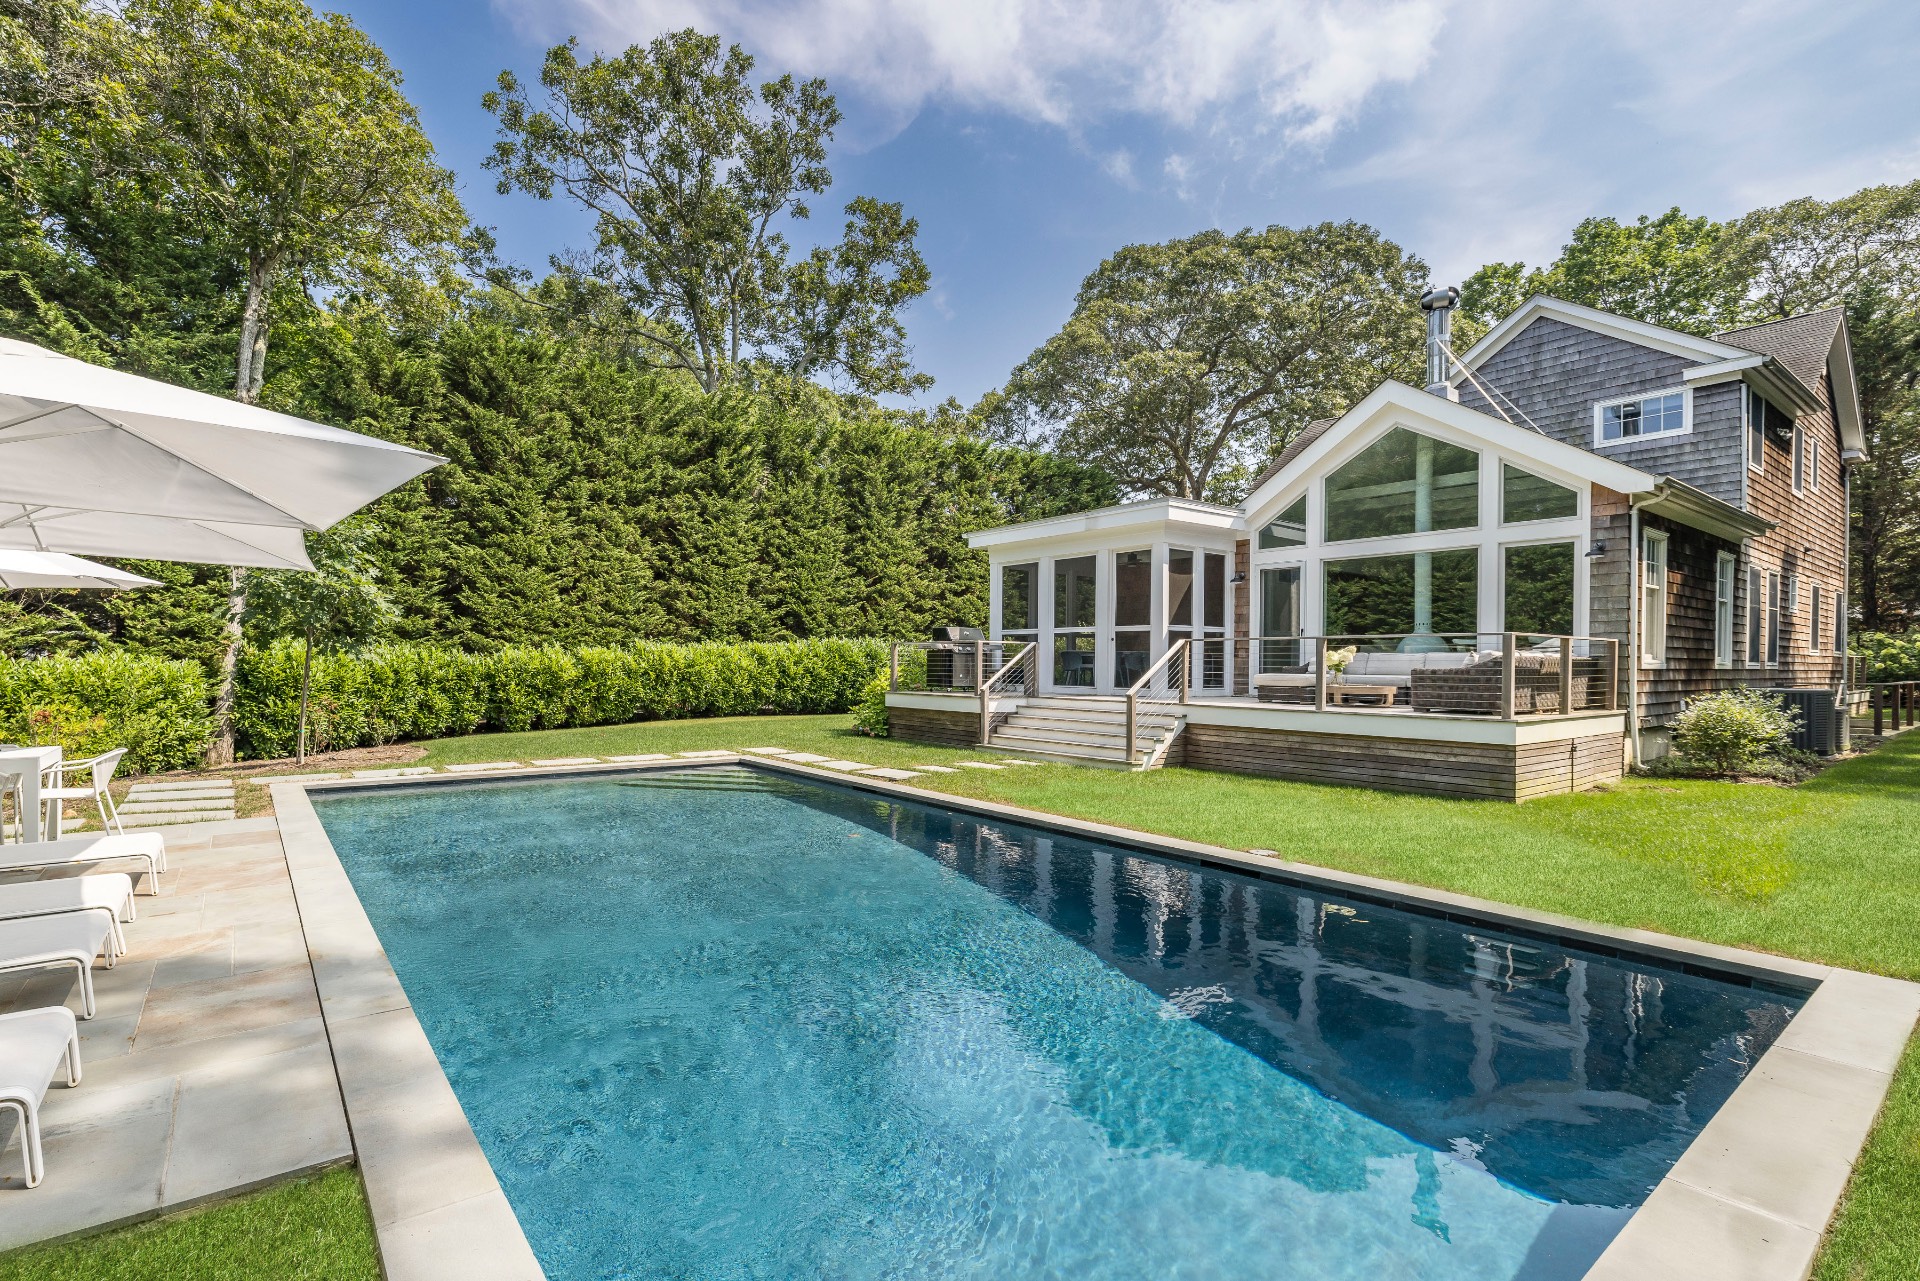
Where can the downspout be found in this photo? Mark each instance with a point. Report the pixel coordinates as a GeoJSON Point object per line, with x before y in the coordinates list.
{"type": "Point", "coordinates": [1633, 629]}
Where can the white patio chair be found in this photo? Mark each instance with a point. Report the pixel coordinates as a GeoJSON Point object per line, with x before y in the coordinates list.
{"type": "Point", "coordinates": [148, 848]}
{"type": "Point", "coordinates": [44, 942]}
{"type": "Point", "coordinates": [98, 789]}
{"type": "Point", "coordinates": [34, 1045]}
{"type": "Point", "coordinates": [110, 894]}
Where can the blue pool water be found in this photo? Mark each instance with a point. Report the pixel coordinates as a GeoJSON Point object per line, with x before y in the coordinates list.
{"type": "Point", "coordinates": [723, 1024]}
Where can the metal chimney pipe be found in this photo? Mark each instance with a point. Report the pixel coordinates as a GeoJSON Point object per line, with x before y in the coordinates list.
{"type": "Point", "coordinates": [1438, 304]}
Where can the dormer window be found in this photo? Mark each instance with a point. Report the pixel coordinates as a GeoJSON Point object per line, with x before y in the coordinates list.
{"type": "Point", "coordinates": [1664, 413]}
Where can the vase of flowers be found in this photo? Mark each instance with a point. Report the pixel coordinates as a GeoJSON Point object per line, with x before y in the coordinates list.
{"type": "Point", "coordinates": [1339, 659]}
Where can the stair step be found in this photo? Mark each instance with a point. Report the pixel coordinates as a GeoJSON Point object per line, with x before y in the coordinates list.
{"type": "Point", "coordinates": [1061, 716]}
{"type": "Point", "coordinates": [1015, 734]}
{"type": "Point", "coordinates": [1064, 752]}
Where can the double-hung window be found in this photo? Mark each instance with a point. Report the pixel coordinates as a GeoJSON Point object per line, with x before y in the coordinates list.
{"type": "Point", "coordinates": [1725, 576]}
{"type": "Point", "coordinates": [1799, 460]}
{"type": "Point", "coordinates": [1756, 615]}
{"type": "Point", "coordinates": [1653, 598]}
{"type": "Point", "coordinates": [1813, 464]}
{"type": "Point", "coordinates": [1664, 413]}
{"type": "Point", "coordinates": [1839, 622]}
{"type": "Point", "coordinates": [1756, 430]}
{"type": "Point", "coordinates": [1813, 621]}
{"type": "Point", "coordinates": [1773, 619]}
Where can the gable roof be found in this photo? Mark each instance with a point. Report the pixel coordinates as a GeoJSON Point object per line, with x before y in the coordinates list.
{"type": "Point", "coordinates": [1809, 345]}
{"type": "Point", "coordinates": [1671, 341]}
{"type": "Point", "coordinates": [1308, 434]}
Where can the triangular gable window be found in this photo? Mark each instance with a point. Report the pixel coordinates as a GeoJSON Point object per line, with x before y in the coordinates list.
{"type": "Point", "coordinates": [1403, 483]}
{"type": "Point", "coordinates": [1525, 496]}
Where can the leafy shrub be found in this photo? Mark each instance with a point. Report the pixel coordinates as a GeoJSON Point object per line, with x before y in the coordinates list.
{"type": "Point", "coordinates": [870, 713]}
{"type": "Point", "coordinates": [1733, 731]}
{"type": "Point", "coordinates": [158, 709]}
{"type": "Point", "coordinates": [394, 692]}
{"type": "Point", "coordinates": [1889, 658]}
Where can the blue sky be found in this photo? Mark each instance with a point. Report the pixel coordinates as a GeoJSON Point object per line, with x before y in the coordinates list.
{"type": "Point", "coordinates": [1031, 138]}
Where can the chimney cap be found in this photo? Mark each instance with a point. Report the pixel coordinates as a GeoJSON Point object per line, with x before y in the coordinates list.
{"type": "Point", "coordinates": [1440, 298]}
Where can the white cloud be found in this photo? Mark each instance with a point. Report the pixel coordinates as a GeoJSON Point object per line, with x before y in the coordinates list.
{"type": "Point", "coordinates": [1304, 66]}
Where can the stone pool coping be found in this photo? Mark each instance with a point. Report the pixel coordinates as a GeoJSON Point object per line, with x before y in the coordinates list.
{"type": "Point", "coordinates": [1747, 1201]}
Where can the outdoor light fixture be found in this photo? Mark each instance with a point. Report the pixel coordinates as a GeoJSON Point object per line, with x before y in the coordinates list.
{"type": "Point", "coordinates": [1239, 576]}
{"type": "Point", "coordinates": [1598, 549]}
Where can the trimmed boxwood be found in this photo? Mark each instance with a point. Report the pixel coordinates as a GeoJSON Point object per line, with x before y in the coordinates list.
{"type": "Point", "coordinates": [159, 709]}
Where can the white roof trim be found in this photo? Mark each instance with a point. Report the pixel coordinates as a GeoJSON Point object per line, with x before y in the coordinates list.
{"type": "Point", "coordinates": [1152, 511]}
{"type": "Point", "coordinates": [1512, 442]}
{"type": "Point", "coordinates": [1640, 332]}
{"type": "Point", "coordinates": [1846, 393]}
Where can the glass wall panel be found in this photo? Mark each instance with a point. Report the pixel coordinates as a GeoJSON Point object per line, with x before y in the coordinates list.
{"type": "Point", "coordinates": [1392, 595]}
{"type": "Point", "coordinates": [1539, 589]}
{"type": "Point", "coordinates": [1017, 607]}
{"type": "Point", "coordinates": [1073, 659]}
{"type": "Point", "coordinates": [1289, 528]}
{"type": "Point", "coordinates": [1073, 592]}
{"type": "Point", "coordinates": [1279, 647]}
{"type": "Point", "coordinates": [1132, 589]}
{"type": "Point", "coordinates": [1179, 588]}
{"type": "Point", "coordinates": [1525, 496]}
{"type": "Point", "coordinates": [1132, 655]}
{"type": "Point", "coordinates": [1403, 483]}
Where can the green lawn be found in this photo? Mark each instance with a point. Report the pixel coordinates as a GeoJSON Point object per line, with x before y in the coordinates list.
{"type": "Point", "coordinates": [1827, 871]}
{"type": "Point", "coordinates": [306, 1230]}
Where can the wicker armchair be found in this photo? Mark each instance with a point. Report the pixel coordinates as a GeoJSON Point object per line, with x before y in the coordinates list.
{"type": "Point", "coordinates": [1474, 690]}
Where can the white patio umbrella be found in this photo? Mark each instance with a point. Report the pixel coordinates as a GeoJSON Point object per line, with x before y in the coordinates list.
{"type": "Point", "coordinates": [97, 461]}
{"type": "Point", "coordinates": [19, 570]}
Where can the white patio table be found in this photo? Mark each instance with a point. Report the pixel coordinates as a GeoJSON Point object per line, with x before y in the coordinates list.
{"type": "Point", "coordinates": [21, 768]}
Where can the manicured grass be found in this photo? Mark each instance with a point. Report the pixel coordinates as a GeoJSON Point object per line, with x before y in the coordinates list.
{"type": "Point", "coordinates": [307, 1230]}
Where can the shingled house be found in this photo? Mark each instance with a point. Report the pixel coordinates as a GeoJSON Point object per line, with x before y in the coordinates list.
{"type": "Point", "coordinates": [1504, 584]}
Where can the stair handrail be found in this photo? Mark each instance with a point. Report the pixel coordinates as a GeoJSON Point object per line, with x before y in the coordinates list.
{"type": "Point", "coordinates": [1175, 650]}
{"type": "Point", "coordinates": [1022, 659]}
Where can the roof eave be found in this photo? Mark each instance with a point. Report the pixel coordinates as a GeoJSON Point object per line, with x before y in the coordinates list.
{"type": "Point", "coordinates": [1696, 509]}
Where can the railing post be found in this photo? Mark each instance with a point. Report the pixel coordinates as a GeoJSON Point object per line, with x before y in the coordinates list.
{"type": "Point", "coordinates": [1506, 675]}
{"type": "Point", "coordinates": [1875, 696]}
{"type": "Point", "coordinates": [1133, 721]}
{"type": "Point", "coordinates": [1613, 675]}
{"type": "Point", "coordinates": [1566, 675]}
{"type": "Point", "coordinates": [1319, 673]}
{"type": "Point", "coordinates": [1186, 671]}
{"type": "Point", "coordinates": [893, 667]}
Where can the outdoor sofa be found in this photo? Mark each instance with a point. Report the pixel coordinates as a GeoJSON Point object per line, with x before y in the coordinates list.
{"type": "Point", "coordinates": [1294, 684]}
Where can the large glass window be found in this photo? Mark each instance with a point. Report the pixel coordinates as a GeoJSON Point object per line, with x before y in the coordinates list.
{"type": "Point", "coordinates": [1279, 619]}
{"type": "Point", "coordinates": [1539, 589]}
{"type": "Point", "coordinates": [1395, 595]}
{"type": "Point", "coordinates": [1653, 598]}
{"type": "Point", "coordinates": [1073, 592]}
{"type": "Point", "coordinates": [1289, 528]}
{"type": "Point", "coordinates": [1525, 496]}
{"type": "Point", "coordinates": [1645, 416]}
{"type": "Point", "coordinates": [1018, 610]}
{"type": "Point", "coordinates": [1403, 483]}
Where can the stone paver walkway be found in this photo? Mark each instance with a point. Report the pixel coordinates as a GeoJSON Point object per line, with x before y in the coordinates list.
{"type": "Point", "coordinates": [207, 1069]}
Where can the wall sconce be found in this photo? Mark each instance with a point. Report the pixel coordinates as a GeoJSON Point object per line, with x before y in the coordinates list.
{"type": "Point", "coordinates": [1598, 549]}
{"type": "Point", "coordinates": [1239, 577]}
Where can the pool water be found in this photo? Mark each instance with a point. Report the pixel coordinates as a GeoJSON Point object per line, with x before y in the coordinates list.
{"type": "Point", "coordinates": [722, 1024]}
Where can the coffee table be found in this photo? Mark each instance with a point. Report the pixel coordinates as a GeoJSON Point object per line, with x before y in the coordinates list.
{"type": "Point", "coordinates": [1345, 690]}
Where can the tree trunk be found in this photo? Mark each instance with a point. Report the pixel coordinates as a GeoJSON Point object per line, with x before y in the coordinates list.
{"type": "Point", "coordinates": [221, 752]}
{"type": "Point", "coordinates": [250, 360]}
{"type": "Point", "coordinates": [306, 683]}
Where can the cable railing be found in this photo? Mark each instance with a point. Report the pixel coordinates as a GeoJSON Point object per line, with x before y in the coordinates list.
{"type": "Point", "coordinates": [1172, 687]}
{"type": "Point", "coordinates": [949, 667]}
{"type": "Point", "coordinates": [1499, 674]}
{"type": "Point", "coordinates": [1019, 673]}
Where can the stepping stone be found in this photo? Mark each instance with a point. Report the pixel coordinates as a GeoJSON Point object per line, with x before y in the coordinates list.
{"type": "Point", "coordinates": [393, 773]}
{"type": "Point", "coordinates": [201, 785]}
{"type": "Point", "coordinates": [937, 769]}
{"type": "Point", "coordinates": [978, 765]}
{"type": "Point", "coordinates": [710, 752]}
{"type": "Point", "coordinates": [768, 751]}
{"type": "Point", "coordinates": [850, 767]}
{"type": "Point", "coordinates": [897, 775]}
{"type": "Point", "coordinates": [480, 766]}
{"type": "Point", "coordinates": [174, 807]}
{"type": "Point", "coordinates": [1014, 760]}
{"type": "Point", "coordinates": [570, 760]}
{"type": "Point", "coordinates": [644, 756]}
{"type": "Point", "coordinates": [137, 795]}
{"type": "Point", "coordinates": [264, 779]}
{"type": "Point", "coordinates": [170, 820]}
{"type": "Point", "coordinates": [806, 758]}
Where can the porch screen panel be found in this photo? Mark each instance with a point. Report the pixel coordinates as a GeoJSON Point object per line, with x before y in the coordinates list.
{"type": "Point", "coordinates": [1539, 589]}
{"type": "Point", "coordinates": [1073, 592]}
{"type": "Point", "coordinates": [1214, 591]}
{"type": "Point", "coordinates": [1018, 612]}
{"type": "Point", "coordinates": [1132, 589]}
{"type": "Point", "coordinates": [1403, 483]}
{"type": "Point", "coordinates": [1179, 589]}
{"type": "Point", "coordinates": [1399, 595]}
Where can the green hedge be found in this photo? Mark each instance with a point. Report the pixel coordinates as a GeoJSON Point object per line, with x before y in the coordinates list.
{"type": "Point", "coordinates": [1889, 658]}
{"type": "Point", "coordinates": [397, 692]}
{"type": "Point", "coordinates": [158, 709]}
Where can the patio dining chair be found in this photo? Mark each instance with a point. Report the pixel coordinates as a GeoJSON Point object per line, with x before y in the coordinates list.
{"type": "Point", "coordinates": [98, 788]}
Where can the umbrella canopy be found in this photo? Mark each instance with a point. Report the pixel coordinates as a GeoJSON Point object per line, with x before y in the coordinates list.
{"type": "Point", "coordinates": [95, 460]}
{"type": "Point", "coordinates": [52, 569]}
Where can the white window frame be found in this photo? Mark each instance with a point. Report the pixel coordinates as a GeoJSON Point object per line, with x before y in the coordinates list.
{"type": "Point", "coordinates": [1771, 623]}
{"type": "Point", "coordinates": [1726, 579]}
{"type": "Point", "coordinates": [1789, 593]}
{"type": "Point", "coordinates": [1756, 433]}
{"type": "Point", "coordinates": [1799, 459]}
{"type": "Point", "coordinates": [1813, 464]}
{"type": "Point", "coordinates": [1814, 618]}
{"type": "Point", "coordinates": [1756, 616]}
{"type": "Point", "coordinates": [1653, 591]}
{"type": "Point", "coordinates": [1839, 622]}
{"type": "Point", "coordinates": [1600, 407]}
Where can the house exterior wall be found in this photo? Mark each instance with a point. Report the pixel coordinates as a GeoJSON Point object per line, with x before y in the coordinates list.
{"type": "Point", "coordinates": [1810, 544]}
{"type": "Point", "coordinates": [1555, 372]}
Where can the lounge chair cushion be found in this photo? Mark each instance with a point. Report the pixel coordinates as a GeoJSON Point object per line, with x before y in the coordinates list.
{"type": "Point", "coordinates": [48, 942]}
{"type": "Point", "coordinates": [146, 848]}
{"type": "Point", "coordinates": [106, 894]}
{"type": "Point", "coordinates": [35, 1045]}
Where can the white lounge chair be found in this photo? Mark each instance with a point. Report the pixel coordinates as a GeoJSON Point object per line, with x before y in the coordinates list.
{"type": "Point", "coordinates": [144, 847]}
{"type": "Point", "coordinates": [41, 942]}
{"type": "Point", "coordinates": [34, 1045]}
{"type": "Point", "coordinates": [110, 894]}
{"type": "Point", "coordinates": [97, 788]}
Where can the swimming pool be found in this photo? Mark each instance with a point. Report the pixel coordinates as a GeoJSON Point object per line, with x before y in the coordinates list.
{"type": "Point", "coordinates": [728, 1023]}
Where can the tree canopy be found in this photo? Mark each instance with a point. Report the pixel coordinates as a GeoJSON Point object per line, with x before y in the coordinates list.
{"type": "Point", "coordinates": [694, 179]}
{"type": "Point", "coordinates": [1186, 365]}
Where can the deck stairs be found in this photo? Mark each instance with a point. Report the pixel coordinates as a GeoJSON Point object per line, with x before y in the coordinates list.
{"type": "Point", "coordinates": [1089, 730]}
